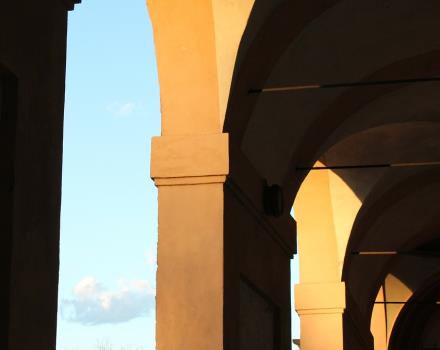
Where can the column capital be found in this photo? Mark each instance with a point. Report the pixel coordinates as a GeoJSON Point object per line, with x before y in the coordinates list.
{"type": "Point", "coordinates": [320, 298]}
{"type": "Point", "coordinates": [189, 159]}
{"type": "Point", "coordinates": [71, 4]}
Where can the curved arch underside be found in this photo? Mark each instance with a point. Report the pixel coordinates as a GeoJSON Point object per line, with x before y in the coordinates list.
{"type": "Point", "coordinates": [290, 43]}
{"type": "Point", "coordinates": [346, 42]}
{"type": "Point", "coordinates": [417, 324]}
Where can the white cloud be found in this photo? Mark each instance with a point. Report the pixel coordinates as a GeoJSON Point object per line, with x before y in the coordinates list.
{"type": "Point", "coordinates": [93, 304]}
{"type": "Point", "coordinates": [151, 258]}
{"type": "Point", "coordinates": [123, 109]}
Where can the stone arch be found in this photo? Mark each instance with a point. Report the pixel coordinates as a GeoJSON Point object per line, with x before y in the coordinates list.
{"type": "Point", "coordinates": [202, 37]}
{"type": "Point", "coordinates": [279, 132]}
{"type": "Point", "coordinates": [374, 218]}
{"type": "Point", "coordinates": [322, 238]}
{"type": "Point", "coordinates": [401, 218]}
{"type": "Point", "coordinates": [411, 329]}
{"type": "Point", "coordinates": [256, 108]}
{"type": "Point", "coordinates": [271, 135]}
{"type": "Point", "coordinates": [368, 193]}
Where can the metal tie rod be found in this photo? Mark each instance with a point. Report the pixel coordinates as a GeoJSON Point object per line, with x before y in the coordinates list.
{"type": "Point", "coordinates": [366, 166]}
{"type": "Point", "coordinates": [408, 302]}
{"type": "Point", "coordinates": [341, 85]}
{"type": "Point", "coordinates": [374, 253]}
{"type": "Point", "coordinates": [394, 253]}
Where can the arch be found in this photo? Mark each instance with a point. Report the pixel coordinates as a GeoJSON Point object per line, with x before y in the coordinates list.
{"type": "Point", "coordinates": [379, 194]}
{"type": "Point", "coordinates": [409, 331]}
{"type": "Point", "coordinates": [271, 135]}
{"type": "Point", "coordinates": [278, 132]}
{"type": "Point", "coordinates": [277, 145]}
{"type": "Point", "coordinates": [259, 52]}
{"type": "Point", "coordinates": [335, 115]}
{"type": "Point", "coordinates": [267, 142]}
{"type": "Point", "coordinates": [195, 58]}
{"type": "Point", "coordinates": [380, 212]}
{"type": "Point", "coordinates": [322, 243]}
{"type": "Point", "coordinates": [322, 239]}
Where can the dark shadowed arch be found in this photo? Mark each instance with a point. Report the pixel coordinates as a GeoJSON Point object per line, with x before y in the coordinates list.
{"type": "Point", "coordinates": [273, 134]}
{"type": "Point", "coordinates": [419, 311]}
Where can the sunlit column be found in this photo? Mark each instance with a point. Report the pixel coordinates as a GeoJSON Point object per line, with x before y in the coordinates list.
{"type": "Point", "coordinates": [189, 172]}
{"type": "Point", "coordinates": [321, 307]}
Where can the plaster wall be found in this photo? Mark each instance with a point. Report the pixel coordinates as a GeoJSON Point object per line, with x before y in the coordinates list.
{"type": "Point", "coordinates": [32, 48]}
{"type": "Point", "coordinates": [190, 267]}
{"type": "Point", "coordinates": [255, 256]}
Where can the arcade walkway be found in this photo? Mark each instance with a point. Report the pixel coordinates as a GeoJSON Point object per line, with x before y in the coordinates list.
{"type": "Point", "coordinates": [332, 107]}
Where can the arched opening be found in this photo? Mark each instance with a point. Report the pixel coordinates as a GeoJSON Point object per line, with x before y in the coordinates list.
{"type": "Point", "coordinates": [333, 108]}
{"type": "Point", "coordinates": [281, 132]}
{"type": "Point", "coordinates": [416, 326]}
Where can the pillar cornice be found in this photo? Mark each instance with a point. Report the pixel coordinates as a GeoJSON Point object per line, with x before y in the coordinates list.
{"type": "Point", "coordinates": [320, 298]}
{"type": "Point", "coordinates": [321, 307]}
{"type": "Point", "coordinates": [71, 4]}
{"type": "Point", "coordinates": [189, 159]}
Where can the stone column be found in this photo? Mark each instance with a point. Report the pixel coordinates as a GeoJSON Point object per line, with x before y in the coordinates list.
{"type": "Point", "coordinates": [321, 307]}
{"type": "Point", "coordinates": [189, 172]}
{"type": "Point", "coordinates": [324, 224]}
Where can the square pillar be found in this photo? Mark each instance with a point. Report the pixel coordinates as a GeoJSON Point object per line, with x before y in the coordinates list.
{"type": "Point", "coordinates": [189, 172]}
{"type": "Point", "coordinates": [321, 307]}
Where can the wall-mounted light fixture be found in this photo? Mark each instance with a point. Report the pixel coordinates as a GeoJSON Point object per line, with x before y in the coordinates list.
{"type": "Point", "coordinates": [273, 200]}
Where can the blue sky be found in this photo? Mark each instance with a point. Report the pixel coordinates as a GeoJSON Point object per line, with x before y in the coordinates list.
{"type": "Point", "coordinates": [109, 203]}
{"type": "Point", "coordinates": [109, 210]}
